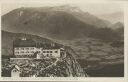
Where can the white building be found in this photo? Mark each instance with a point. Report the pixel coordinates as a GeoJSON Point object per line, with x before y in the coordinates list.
{"type": "Point", "coordinates": [24, 51]}
{"type": "Point", "coordinates": [24, 48]}
{"type": "Point", "coordinates": [51, 52]}
{"type": "Point", "coordinates": [27, 48]}
{"type": "Point", "coordinates": [15, 72]}
{"type": "Point", "coordinates": [48, 51]}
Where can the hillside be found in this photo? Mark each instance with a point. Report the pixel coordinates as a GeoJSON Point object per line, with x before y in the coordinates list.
{"type": "Point", "coordinates": [94, 53]}
{"type": "Point", "coordinates": [113, 17]}
{"type": "Point", "coordinates": [67, 67]}
{"type": "Point", "coordinates": [37, 13]}
{"type": "Point", "coordinates": [8, 38]}
{"type": "Point", "coordinates": [53, 24]}
{"type": "Point", "coordinates": [82, 16]}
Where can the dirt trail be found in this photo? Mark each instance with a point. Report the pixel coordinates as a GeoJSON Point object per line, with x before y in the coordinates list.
{"type": "Point", "coordinates": [57, 59]}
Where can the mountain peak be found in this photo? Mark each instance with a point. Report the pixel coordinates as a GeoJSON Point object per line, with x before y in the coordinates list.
{"type": "Point", "coordinates": [59, 21]}
{"type": "Point", "coordinates": [67, 8]}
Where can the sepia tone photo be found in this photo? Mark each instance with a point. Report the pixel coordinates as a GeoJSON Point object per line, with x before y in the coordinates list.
{"type": "Point", "coordinates": [62, 40]}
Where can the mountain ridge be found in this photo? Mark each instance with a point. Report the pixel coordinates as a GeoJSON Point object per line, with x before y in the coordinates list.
{"type": "Point", "coordinates": [49, 23]}
{"type": "Point", "coordinates": [113, 17]}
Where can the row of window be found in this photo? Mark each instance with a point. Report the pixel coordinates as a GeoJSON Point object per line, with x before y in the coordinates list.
{"type": "Point", "coordinates": [50, 51]}
{"type": "Point", "coordinates": [49, 55]}
{"type": "Point", "coordinates": [33, 48]}
{"type": "Point", "coordinates": [39, 52]}
{"type": "Point", "coordinates": [22, 56]}
{"type": "Point", "coordinates": [25, 52]}
{"type": "Point", "coordinates": [28, 55]}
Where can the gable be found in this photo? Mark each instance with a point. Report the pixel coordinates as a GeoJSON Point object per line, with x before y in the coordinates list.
{"type": "Point", "coordinates": [16, 68]}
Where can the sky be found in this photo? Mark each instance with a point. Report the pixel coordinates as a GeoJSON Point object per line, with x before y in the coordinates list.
{"type": "Point", "coordinates": [92, 7]}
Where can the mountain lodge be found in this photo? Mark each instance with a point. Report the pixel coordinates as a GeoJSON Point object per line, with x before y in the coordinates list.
{"type": "Point", "coordinates": [27, 48]}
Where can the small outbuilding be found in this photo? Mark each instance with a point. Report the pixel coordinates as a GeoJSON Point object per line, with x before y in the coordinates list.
{"type": "Point", "coordinates": [15, 72]}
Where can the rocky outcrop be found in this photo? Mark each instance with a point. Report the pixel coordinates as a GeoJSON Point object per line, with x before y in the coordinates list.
{"type": "Point", "coordinates": [54, 67]}
{"type": "Point", "coordinates": [67, 67]}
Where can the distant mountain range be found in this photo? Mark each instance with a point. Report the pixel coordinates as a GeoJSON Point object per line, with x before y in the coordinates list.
{"type": "Point", "coordinates": [113, 17]}
{"type": "Point", "coordinates": [83, 16]}
{"type": "Point", "coordinates": [61, 22]}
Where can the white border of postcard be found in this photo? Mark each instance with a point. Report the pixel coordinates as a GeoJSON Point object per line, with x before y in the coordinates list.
{"type": "Point", "coordinates": [78, 79]}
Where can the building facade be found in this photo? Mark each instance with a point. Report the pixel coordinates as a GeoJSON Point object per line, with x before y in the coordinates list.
{"type": "Point", "coordinates": [51, 52]}
{"type": "Point", "coordinates": [24, 51]}
{"type": "Point", "coordinates": [27, 48]}
{"type": "Point", "coordinates": [24, 48]}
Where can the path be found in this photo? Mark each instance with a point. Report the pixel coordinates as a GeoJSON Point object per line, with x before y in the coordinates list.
{"type": "Point", "coordinates": [57, 59]}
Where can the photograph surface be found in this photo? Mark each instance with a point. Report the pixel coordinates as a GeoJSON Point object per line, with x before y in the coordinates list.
{"type": "Point", "coordinates": [62, 40]}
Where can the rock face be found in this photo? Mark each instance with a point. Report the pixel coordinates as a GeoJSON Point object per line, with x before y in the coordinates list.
{"type": "Point", "coordinates": [74, 69]}
{"type": "Point", "coordinates": [67, 67]}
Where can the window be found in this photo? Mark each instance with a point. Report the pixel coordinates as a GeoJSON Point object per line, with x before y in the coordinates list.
{"type": "Point", "coordinates": [47, 51]}
{"type": "Point", "coordinates": [27, 52]}
{"type": "Point", "coordinates": [43, 51]}
{"type": "Point", "coordinates": [56, 51]}
{"type": "Point", "coordinates": [22, 48]}
{"type": "Point", "coordinates": [16, 48]}
{"type": "Point", "coordinates": [50, 54]}
{"type": "Point", "coordinates": [32, 51]}
{"type": "Point", "coordinates": [50, 51]}
{"type": "Point", "coordinates": [22, 52]}
{"type": "Point", "coordinates": [47, 55]}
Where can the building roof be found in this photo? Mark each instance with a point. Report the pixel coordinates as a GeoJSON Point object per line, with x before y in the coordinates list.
{"type": "Point", "coordinates": [16, 67]}
{"type": "Point", "coordinates": [30, 43]}
{"type": "Point", "coordinates": [49, 46]}
{"type": "Point", "coordinates": [24, 43]}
